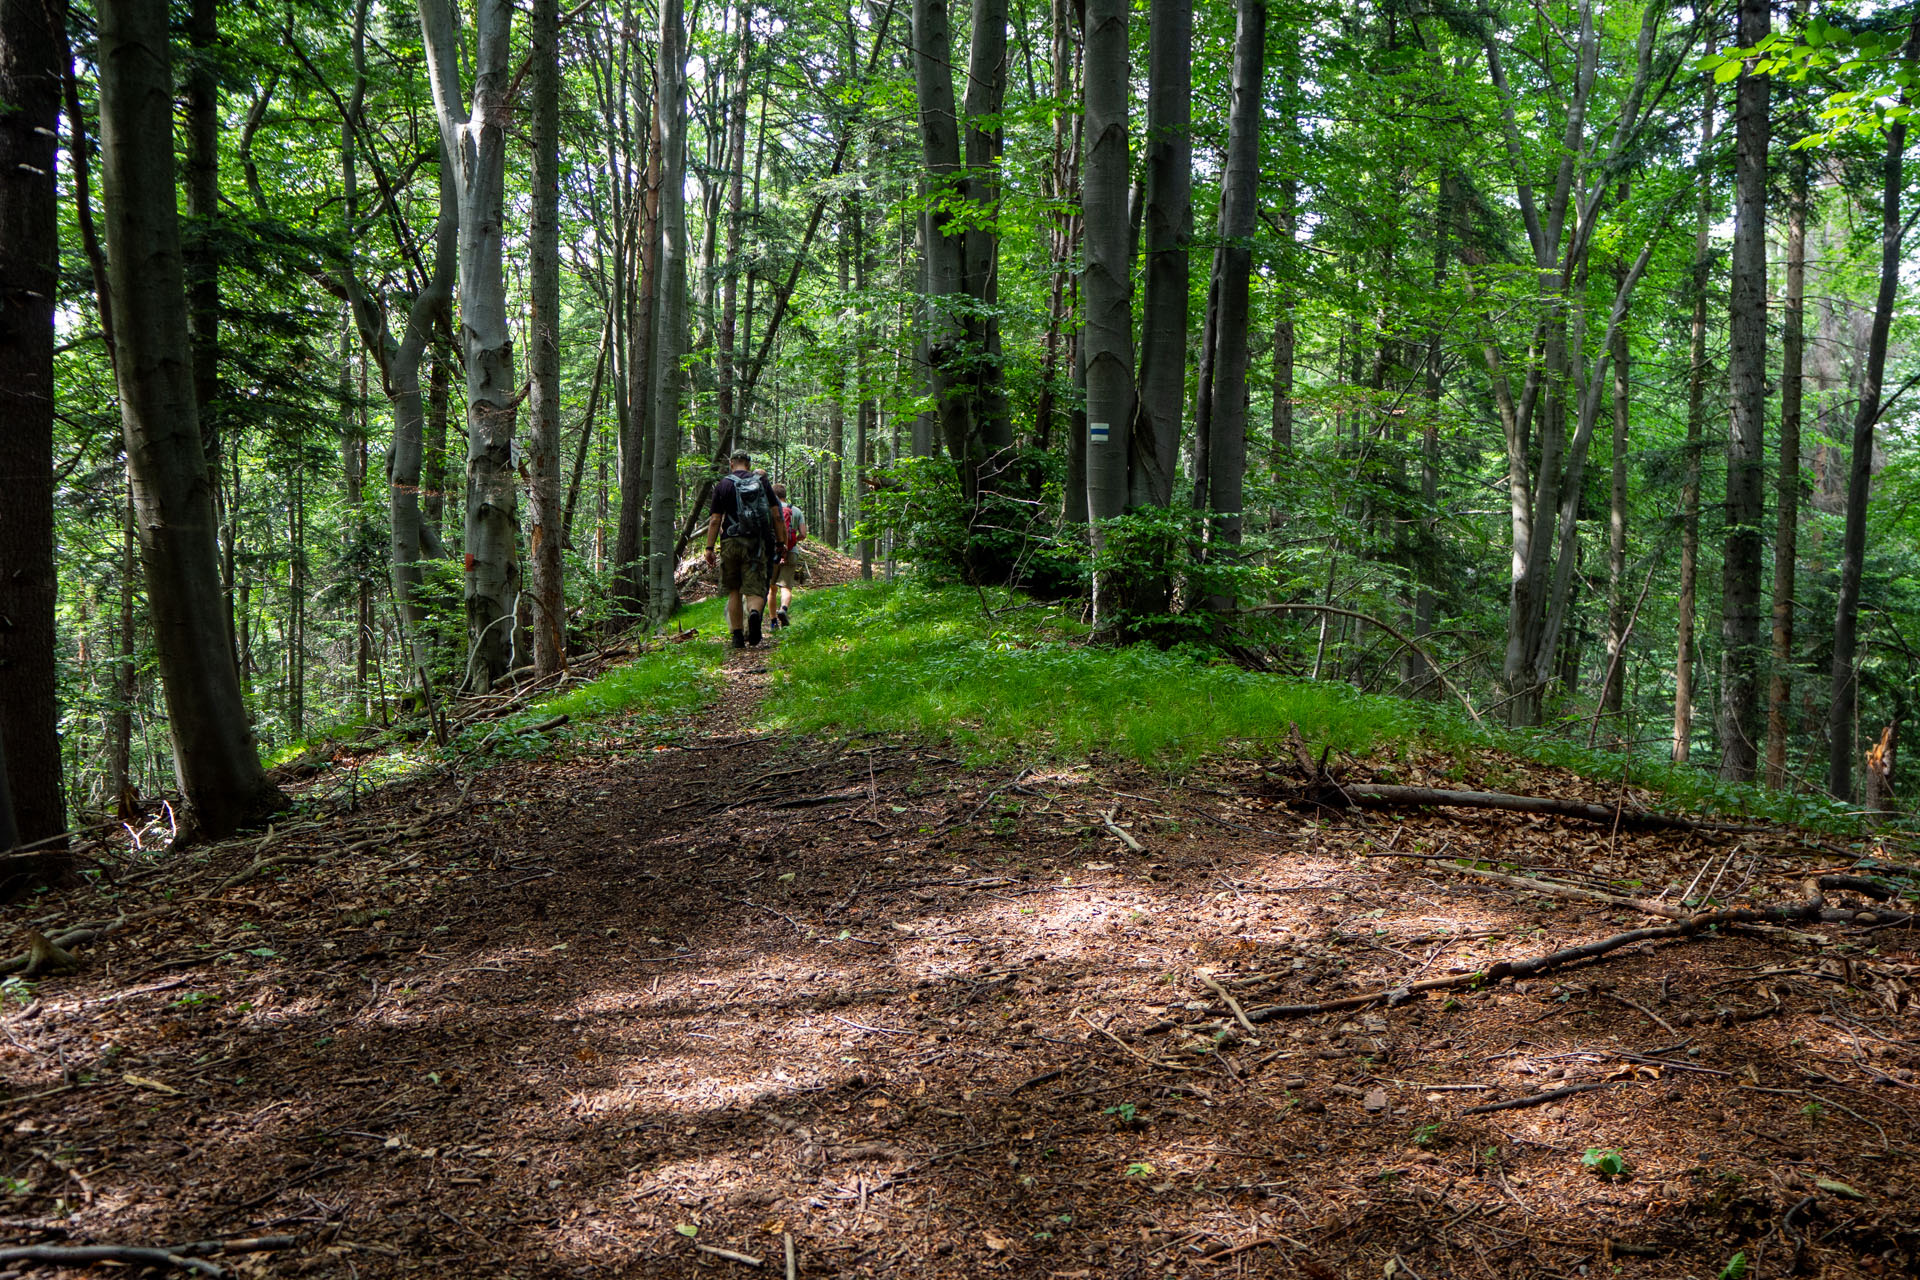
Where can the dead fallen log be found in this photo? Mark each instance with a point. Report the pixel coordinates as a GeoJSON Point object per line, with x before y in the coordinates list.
{"type": "Point", "coordinates": [1382, 796]}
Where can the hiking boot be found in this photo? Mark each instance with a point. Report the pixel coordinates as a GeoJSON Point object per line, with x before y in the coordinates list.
{"type": "Point", "coordinates": [739, 639]}
{"type": "Point", "coordinates": [782, 616]}
{"type": "Point", "coordinates": [753, 627]}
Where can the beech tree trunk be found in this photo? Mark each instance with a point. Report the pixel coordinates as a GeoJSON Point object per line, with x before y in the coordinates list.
{"type": "Point", "coordinates": [1741, 657]}
{"type": "Point", "coordinates": [474, 134]}
{"type": "Point", "coordinates": [1107, 342]}
{"type": "Point", "coordinates": [1853, 546]}
{"type": "Point", "coordinates": [670, 309]}
{"type": "Point", "coordinates": [214, 756]}
{"type": "Point", "coordinates": [1154, 441]}
{"type": "Point", "coordinates": [545, 519]}
{"type": "Point", "coordinates": [1232, 276]}
{"type": "Point", "coordinates": [32, 67]}
{"type": "Point", "coordinates": [949, 359]}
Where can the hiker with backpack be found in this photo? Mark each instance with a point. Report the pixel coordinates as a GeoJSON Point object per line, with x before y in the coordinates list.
{"type": "Point", "coordinates": [743, 528]}
{"type": "Point", "coordinates": [791, 572]}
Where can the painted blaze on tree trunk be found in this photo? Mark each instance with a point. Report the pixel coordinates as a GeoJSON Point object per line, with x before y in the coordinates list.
{"type": "Point", "coordinates": [214, 754]}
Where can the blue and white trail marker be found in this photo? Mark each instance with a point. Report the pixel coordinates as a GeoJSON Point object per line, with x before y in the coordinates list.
{"type": "Point", "coordinates": [1096, 433]}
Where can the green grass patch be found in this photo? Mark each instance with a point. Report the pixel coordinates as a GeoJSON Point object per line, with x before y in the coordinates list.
{"type": "Point", "coordinates": [911, 659]}
{"type": "Point", "coordinates": [662, 686]}
{"type": "Point", "coordinates": [931, 662]}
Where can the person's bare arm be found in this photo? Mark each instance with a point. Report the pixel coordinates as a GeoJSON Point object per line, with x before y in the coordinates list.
{"type": "Point", "coordinates": [713, 535]}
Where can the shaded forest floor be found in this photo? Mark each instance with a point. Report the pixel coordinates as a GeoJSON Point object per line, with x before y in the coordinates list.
{"type": "Point", "coordinates": [583, 1017]}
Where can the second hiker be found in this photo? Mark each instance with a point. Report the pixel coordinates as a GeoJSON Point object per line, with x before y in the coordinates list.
{"type": "Point", "coordinates": [791, 571]}
{"type": "Point", "coordinates": [744, 530]}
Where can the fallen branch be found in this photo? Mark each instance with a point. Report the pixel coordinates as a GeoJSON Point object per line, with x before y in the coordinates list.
{"type": "Point", "coordinates": [62, 943]}
{"type": "Point", "coordinates": [1106, 820]}
{"type": "Point", "coordinates": [1535, 966]}
{"type": "Point", "coordinates": [1813, 909]}
{"type": "Point", "coordinates": [1381, 796]}
{"type": "Point", "coordinates": [1537, 1099]}
{"type": "Point", "coordinates": [186, 1257]}
{"type": "Point", "coordinates": [744, 1259]}
{"type": "Point", "coordinates": [1240, 1015]}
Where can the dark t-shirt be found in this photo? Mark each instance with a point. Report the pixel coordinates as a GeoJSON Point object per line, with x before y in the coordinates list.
{"type": "Point", "coordinates": [723, 497]}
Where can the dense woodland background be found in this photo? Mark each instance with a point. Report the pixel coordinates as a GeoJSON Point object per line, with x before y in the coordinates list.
{"type": "Point", "coordinates": [1527, 356]}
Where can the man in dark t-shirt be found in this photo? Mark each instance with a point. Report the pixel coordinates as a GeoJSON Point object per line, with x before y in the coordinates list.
{"type": "Point", "coordinates": [741, 562]}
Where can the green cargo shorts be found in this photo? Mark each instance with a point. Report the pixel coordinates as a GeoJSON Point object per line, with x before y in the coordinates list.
{"type": "Point", "coordinates": [743, 567]}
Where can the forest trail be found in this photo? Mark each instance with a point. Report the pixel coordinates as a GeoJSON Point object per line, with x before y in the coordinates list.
{"type": "Point", "coordinates": [660, 1008]}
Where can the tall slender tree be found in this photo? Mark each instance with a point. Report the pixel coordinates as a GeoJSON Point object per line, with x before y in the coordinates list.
{"type": "Point", "coordinates": [1154, 441]}
{"type": "Point", "coordinates": [1842, 710]}
{"type": "Point", "coordinates": [1107, 285]}
{"type": "Point", "coordinates": [214, 756]}
{"type": "Point", "coordinates": [670, 308]}
{"type": "Point", "coordinates": [1786, 489]}
{"type": "Point", "coordinates": [545, 534]}
{"type": "Point", "coordinates": [1684, 663]}
{"type": "Point", "coordinates": [1741, 655]}
{"type": "Point", "coordinates": [32, 67]}
{"type": "Point", "coordinates": [474, 133]}
{"type": "Point", "coordinates": [1232, 280]}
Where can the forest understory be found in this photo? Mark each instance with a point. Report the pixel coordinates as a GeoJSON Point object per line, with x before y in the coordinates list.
{"type": "Point", "coordinates": [708, 1001]}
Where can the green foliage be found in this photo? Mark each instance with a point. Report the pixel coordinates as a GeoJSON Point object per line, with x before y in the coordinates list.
{"type": "Point", "coordinates": [1736, 1268]}
{"type": "Point", "coordinates": [1012, 536]}
{"type": "Point", "coordinates": [1605, 1161]}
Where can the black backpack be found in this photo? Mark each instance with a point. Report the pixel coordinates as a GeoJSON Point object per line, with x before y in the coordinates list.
{"type": "Point", "coordinates": [752, 510]}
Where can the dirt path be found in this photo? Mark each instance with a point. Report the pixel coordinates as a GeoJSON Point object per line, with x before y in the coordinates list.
{"type": "Point", "coordinates": [719, 994]}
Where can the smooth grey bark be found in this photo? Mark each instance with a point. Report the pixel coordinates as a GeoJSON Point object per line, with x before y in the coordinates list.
{"type": "Point", "coordinates": [32, 68]}
{"type": "Point", "coordinates": [214, 755]}
{"type": "Point", "coordinates": [1154, 441]}
{"type": "Point", "coordinates": [1841, 711]}
{"type": "Point", "coordinates": [546, 533]}
{"type": "Point", "coordinates": [949, 360]}
{"type": "Point", "coordinates": [670, 309]}
{"type": "Point", "coordinates": [474, 133]}
{"type": "Point", "coordinates": [433, 476]}
{"type": "Point", "coordinates": [1232, 277]}
{"type": "Point", "coordinates": [1107, 338]}
{"type": "Point", "coordinates": [1741, 654]}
